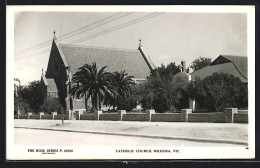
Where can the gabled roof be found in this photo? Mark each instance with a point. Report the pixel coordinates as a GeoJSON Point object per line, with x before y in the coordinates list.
{"type": "Point", "coordinates": [239, 61]}
{"type": "Point", "coordinates": [51, 86]}
{"type": "Point", "coordinates": [115, 59]}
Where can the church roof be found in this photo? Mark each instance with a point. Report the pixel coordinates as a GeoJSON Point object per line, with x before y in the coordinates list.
{"type": "Point", "coordinates": [115, 59]}
{"type": "Point", "coordinates": [51, 85]}
{"type": "Point", "coordinates": [239, 61]}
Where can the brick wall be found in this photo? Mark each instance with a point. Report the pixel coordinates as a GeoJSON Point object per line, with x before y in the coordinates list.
{"type": "Point", "coordinates": [216, 117]}
{"type": "Point", "coordinates": [111, 117]}
{"type": "Point", "coordinates": [58, 117]}
{"type": "Point", "coordinates": [87, 117]}
{"type": "Point", "coordinates": [134, 117]}
{"type": "Point", "coordinates": [36, 117]}
{"type": "Point", "coordinates": [166, 117]}
{"type": "Point", "coordinates": [240, 118]}
{"type": "Point", "coordinates": [46, 117]}
{"type": "Point", "coordinates": [23, 116]}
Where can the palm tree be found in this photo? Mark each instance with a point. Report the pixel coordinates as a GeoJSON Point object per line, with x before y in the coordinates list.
{"type": "Point", "coordinates": [89, 82]}
{"type": "Point", "coordinates": [122, 82]}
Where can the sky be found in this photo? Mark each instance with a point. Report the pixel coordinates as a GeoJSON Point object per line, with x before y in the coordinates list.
{"type": "Point", "coordinates": [167, 37]}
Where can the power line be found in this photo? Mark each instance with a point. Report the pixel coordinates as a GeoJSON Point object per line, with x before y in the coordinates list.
{"type": "Point", "coordinates": [117, 27]}
{"type": "Point", "coordinates": [40, 45]}
{"type": "Point", "coordinates": [63, 38]}
{"type": "Point", "coordinates": [107, 31]}
{"type": "Point", "coordinates": [35, 54]}
{"type": "Point", "coordinates": [99, 25]}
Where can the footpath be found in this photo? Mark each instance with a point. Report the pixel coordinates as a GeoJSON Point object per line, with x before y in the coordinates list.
{"type": "Point", "coordinates": [228, 133]}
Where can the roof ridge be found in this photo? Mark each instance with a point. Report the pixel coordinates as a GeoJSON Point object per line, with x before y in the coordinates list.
{"type": "Point", "coordinates": [239, 69]}
{"type": "Point", "coordinates": [97, 47]}
{"type": "Point", "coordinates": [233, 56]}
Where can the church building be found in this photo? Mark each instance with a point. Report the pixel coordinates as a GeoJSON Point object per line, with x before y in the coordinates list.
{"type": "Point", "coordinates": [65, 60]}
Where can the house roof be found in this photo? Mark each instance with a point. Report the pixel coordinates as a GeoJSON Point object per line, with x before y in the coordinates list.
{"type": "Point", "coordinates": [239, 61]}
{"type": "Point", "coordinates": [115, 59]}
{"type": "Point", "coordinates": [51, 85]}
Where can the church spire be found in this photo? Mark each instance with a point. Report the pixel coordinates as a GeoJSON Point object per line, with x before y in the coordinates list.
{"type": "Point", "coordinates": [148, 62]}
{"type": "Point", "coordinates": [54, 34]}
{"type": "Point", "coordinates": [140, 44]}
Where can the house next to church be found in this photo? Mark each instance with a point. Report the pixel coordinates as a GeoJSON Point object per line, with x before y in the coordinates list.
{"type": "Point", "coordinates": [65, 60]}
{"type": "Point", "coordinates": [234, 65]}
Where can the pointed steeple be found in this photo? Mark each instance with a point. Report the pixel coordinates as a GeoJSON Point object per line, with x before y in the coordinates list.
{"type": "Point", "coordinates": [146, 59]}
{"type": "Point", "coordinates": [140, 44]}
{"type": "Point", "coordinates": [54, 34]}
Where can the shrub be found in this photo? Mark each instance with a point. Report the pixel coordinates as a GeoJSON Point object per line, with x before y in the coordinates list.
{"type": "Point", "coordinates": [126, 104]}
{"type": "Point", "coordinates": [51, 105]}
{"type": "Point", "coordinates": [219, 91]}
{"type": "Point", "coordinates": [23, 107]}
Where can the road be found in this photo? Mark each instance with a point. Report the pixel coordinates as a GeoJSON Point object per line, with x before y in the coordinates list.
{"type": "Point", "coordinates": [30, 137]}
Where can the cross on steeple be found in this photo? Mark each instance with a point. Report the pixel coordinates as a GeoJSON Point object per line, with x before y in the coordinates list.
{"type": "Point", "coordinates": [140, 44]}
{"type": "Point", "coordinates": [54, 33]}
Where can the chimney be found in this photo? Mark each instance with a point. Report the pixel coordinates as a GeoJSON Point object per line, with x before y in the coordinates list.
{"type": "Point", "coordinates": [180, 68]}
{"type": "Point", "coordinates": [183, 63]}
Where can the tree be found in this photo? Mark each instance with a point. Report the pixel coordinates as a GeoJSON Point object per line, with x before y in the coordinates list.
{"type": "Point", "coordinates": [142, 94]}
{"type": "Point", "coordinates": [219, 91]}
{"type": "Point", "coordinates": [32, 94]}
{"type": "Point", "coordinates": [51, 105]}
{"type": "Point", "coordinates": [127, 103]}
{"type": "Point", "coordinates": [22, 105]}
{"type": "Point", "coordinates": [122, 84]}
{"type": "Point", "coordinates": [200, 63]}
{"type": "Point", "coordinates": [90, 82]}
{"type": "Point", "coordinates": [160, 92]}
{"type": "Point", "coordinates": [166, 73]}
{"type": "Point", "coordinates": [16, 86]}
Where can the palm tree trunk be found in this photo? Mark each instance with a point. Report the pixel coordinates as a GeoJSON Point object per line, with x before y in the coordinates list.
{"type": "Point", "coordinates": [99, 101]}
{"type": "Point", "coordinates": [95, 102]}
{"type": "Point", "coordinates": [86, 103]}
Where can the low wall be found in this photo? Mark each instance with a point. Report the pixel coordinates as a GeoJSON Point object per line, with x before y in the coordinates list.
{"type": "Point", "coordinates": [87, 117]}
{"type": "Point", "coordinates": [166, 117]}
{"type": "Point", "coordinates": [214, 117]}
{"type": "Point", "coordinates": [111, 117]}
{"type": "Point", "coordinates": [58, 117]}
{"type": "Point", "coordinates": [23, 116]}
{"type": "Point", "coordinates": [240, 118]}
{"type": "Point", "coordinates": [46, 117]}
{"type": "Point", "coordinates": [229, 116]}
{"type": "Point", "coordinates": [35, 117]}
{"type": "Point", "coordinates": [134, 117]}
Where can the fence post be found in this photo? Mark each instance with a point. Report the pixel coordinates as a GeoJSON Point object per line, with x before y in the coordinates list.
{"type": "Point", "coordinates": [28, 115]}
{"type": "Point", "coordinates": [229, 114]}
{"type": "Point", "coordinates": [149, 114]}
{"type": "Point", "coordinates": [41, 113]}
{"type": "Point", "coordinates": [120, 114]}
{"type": "Point", "coordinates": [97, 114]}
{"type": "Point", "coordinates": [185, 114]}
{"type": "Point", "coordinates": [53, 114]}
{"type": "Point", "coordinates": [18, 112]}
